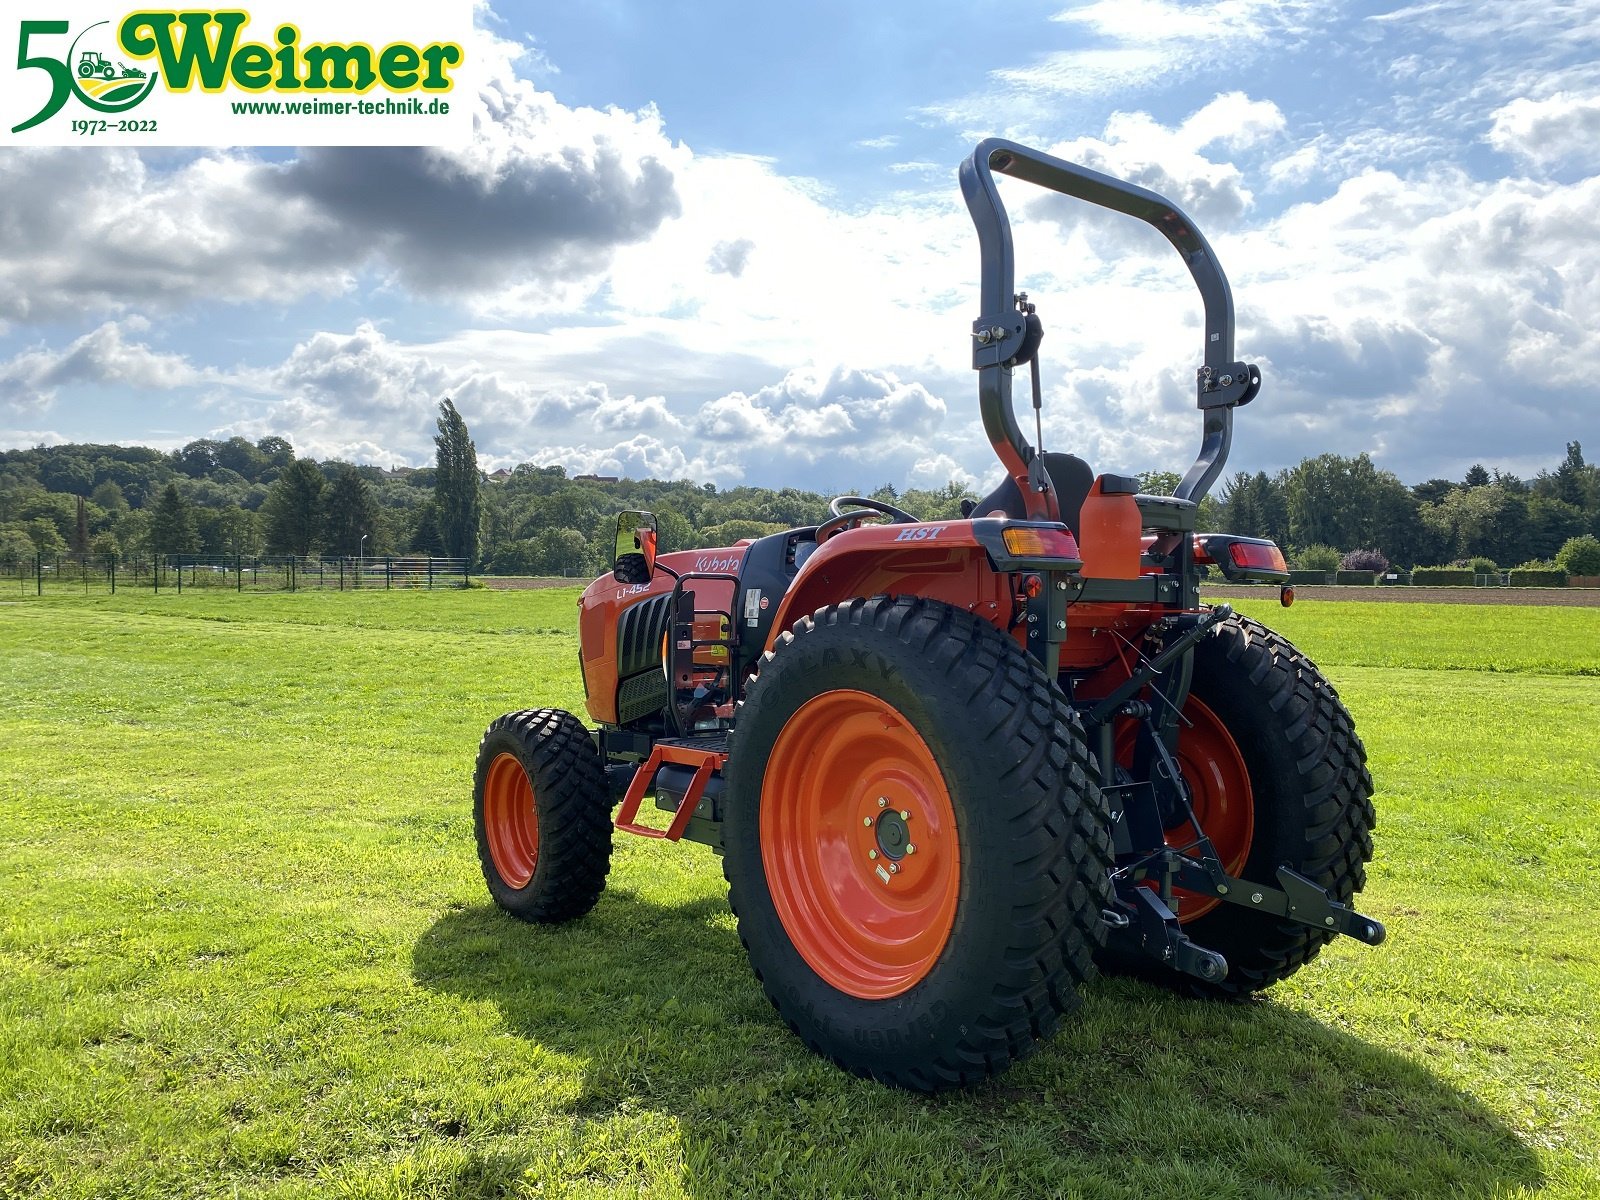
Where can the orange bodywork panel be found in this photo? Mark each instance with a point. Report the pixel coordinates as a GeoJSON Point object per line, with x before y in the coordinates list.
{"type": "Point", "coordinates": [604, 600]}
{"type": "Point", "coordinates": [1110, 531]}
{"type": "Point", "coordinates": [937, 561]}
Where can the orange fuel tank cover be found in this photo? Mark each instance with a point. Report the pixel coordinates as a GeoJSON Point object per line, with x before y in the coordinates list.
{"type": "Point", "coordinates": [1109, 529]}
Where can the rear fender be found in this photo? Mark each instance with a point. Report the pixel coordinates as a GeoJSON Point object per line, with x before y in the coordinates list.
{"type": "Point", "coordinates": [962, 563]}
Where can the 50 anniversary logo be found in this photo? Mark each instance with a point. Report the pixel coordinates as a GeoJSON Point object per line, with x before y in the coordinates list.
{"type": "Point", "coordinates": [228, 77]}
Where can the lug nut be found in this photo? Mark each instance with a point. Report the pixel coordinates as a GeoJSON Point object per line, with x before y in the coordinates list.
{"type": "Point", "coordinates": [867, 821]}
{"type": "Point", "coordinates": [910, 849]}
{"type": "Point", "coordinates": [883, 802]}
{"type": "Point", "coordinates": [894, 868]}
{"type": "Point", "coordinates": [872, 854]}
{"type": "Point", "coordinates": [1255, 897]}
{"type": "Point", "coordinates": [905, 815]}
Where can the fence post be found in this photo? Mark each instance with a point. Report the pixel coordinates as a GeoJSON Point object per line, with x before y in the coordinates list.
{"type": "Point", "coordinates": [430, 572]}
{"type": "Point", "coordinates": [466, 572]}
{"type": "Point", "coordinates": [113, 577]}
{"type": "Point", "coordinates": [38, 574]}
{"type": "Point", "coordinates": [388, 573]}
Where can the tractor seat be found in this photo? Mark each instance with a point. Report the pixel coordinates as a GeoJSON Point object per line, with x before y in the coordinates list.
{"type": "Point", "coordinates": [1069, 475]}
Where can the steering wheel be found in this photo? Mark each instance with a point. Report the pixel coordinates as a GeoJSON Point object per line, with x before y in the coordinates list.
{"type": "Point", "coordinates": [860, 506]}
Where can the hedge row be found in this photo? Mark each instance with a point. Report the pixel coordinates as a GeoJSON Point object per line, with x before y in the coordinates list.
{"type": "Point", "coordinates": [1443, 577]}
{"type": "Point", "coordinates": [1359, 578]}
{"type": "Point", "coordinates": [1535, 577]}
{"type": "Point", "coordinates": [1309, 577]}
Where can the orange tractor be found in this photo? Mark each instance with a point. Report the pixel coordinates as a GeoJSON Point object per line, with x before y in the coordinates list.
{"type": "Point", "coordinates": [952, 766]}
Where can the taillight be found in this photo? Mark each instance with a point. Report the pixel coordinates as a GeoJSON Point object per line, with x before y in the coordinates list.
{"type": "Point", "coordinates": [1255, 556]}
{"type": "Point", "coordinates": [1033, 542]}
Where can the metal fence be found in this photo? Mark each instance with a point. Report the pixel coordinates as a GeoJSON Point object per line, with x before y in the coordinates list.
{"type": "Point", "coordinates": [53, 574]}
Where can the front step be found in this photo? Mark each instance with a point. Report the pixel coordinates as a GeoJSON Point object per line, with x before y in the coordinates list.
{"type": "Point", "coordinates": [705, 755]}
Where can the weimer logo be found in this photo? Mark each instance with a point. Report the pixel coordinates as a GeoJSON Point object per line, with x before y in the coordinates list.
{"type": "Point", "coordinates": [89, 72]}
{"type": "Point", "coordinates": [358, 68]}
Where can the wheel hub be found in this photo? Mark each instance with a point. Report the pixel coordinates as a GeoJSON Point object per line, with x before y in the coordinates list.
{"type": "Point", "coordinates": [893, 835]}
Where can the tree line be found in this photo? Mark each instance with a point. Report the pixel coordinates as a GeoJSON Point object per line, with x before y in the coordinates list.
{"type": "Point", "coordinates": [248, 498]}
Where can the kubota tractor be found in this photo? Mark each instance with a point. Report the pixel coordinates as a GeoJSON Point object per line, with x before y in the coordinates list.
{"type": "Point", "coordinates": [951, 766]}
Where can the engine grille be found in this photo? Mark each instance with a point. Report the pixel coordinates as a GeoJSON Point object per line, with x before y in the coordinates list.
{"type": "Point", "coordinates": [639, 633]}
{"type": "Point", "coordinates": [641, 696]}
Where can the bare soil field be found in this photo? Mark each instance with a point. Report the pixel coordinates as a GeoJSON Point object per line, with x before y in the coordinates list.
{"type": "Point", "coordinates": [1565, 597]}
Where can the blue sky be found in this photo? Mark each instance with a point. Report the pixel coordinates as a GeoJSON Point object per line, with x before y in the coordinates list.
{"type": "Point", "coordinates": [725, 242]}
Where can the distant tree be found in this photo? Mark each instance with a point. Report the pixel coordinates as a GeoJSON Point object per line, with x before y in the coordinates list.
{"type": "Point", "coordinates": [456, 485]}
{"type": "Point", "coordinates": [1486, 520]}
{"type": "Point", "coordinates": [172, 524]}
{"type": "Point", "coordinates": [1476, 476]}
{"type": "Point", "coordinates": [425, 536]}
{"type": "Point", "coordinates": [1350, 502]}
{"type": "Point", "coordinates": [729, 532]}
{"type": "Point", "coordinates": [1256, 506]}
{"type": "Point", "coordinates": [1580, 556]}
{"type": "Point", "coordinates": [67, 472]}
{"type": "Point", "coordinates": [1364, 560]}
{"type": "Point", "coordinates": [105, 547]}
{"type": "Point", "coordinates": [1317, 558]}
{"type": "Point", "coordinates": [229, 530]}
{"type": "Point", "coordinates": [46, 537]}
{"type": "Point", "coordinates": [1433, 490]}
{"type": "Point", "coordinates": [1550, 524]}
{"type": "Point", "coordinates": [278, 453]}
{"type": "Point", "coordinates": [292, 513]}
{"type": "Point", "coordinates": [673, 531]}
{"type": "Point", "coordinates": [239, 455]}
{"type": "Point", "coordinates": [1159, 483]}
{"type": "Point", "coordinates": [198, 459]}
{"type": "Point", "coordinates": [349, 510]}
{"type": "Point", "coordinates": [80, 534]}
{"type": "Point", "coordinates": [109, 497]}
{"type": "Point", "coordinates": [16, 548]}
{"type": "Point", "coordinates": [559, 552]}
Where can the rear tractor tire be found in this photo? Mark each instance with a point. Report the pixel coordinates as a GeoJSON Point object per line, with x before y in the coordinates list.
{"type": "Point", "coordinates": [915, 850]}
{"type": "Point", "coordinates": [1278, 778]}
{"type": "Point", "coordinates": [542, 815]}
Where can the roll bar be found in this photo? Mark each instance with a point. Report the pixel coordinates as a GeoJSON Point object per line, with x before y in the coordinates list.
{"type": "Point", "coordinates": [1222, 384]}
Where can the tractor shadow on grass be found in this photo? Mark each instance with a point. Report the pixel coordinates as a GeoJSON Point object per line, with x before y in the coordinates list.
{"type": "Point", "coordinates": [1139, 1093]}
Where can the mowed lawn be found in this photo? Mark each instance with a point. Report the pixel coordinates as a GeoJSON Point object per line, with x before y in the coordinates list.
{"type": "Point", "coordinates": [245, 948]}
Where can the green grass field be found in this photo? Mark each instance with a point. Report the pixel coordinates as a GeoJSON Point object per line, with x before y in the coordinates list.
{"type": "Point", "coordinates": [245, 948]}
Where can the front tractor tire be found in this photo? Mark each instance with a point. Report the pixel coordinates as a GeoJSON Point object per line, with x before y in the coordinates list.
{"type": "Point", "coordinates": [542, 815]}
{"type": "Point", "coordinates": [1277, 777]}
{"type": "Point", "coordinates": [915, 851]}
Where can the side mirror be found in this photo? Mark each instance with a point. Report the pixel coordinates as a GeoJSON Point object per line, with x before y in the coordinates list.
{"type": "Point", "coordinates": [636, 548]}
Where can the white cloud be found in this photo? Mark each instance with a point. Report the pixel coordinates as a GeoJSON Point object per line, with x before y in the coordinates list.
{"type": "Point", "coordinates": [1119, 46]}
{"type": "Point", "coordinates": [30, 380]}
{"type": "Point", "coordinates": [1561, 130]}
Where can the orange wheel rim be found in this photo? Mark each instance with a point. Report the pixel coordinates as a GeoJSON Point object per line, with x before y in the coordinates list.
{"type": "Point", "coordinates": [1219, 792]}
{"type": "Point", "coordinates": [510, 822]}
{"type": "Point", "coordinates": [860, 846]}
